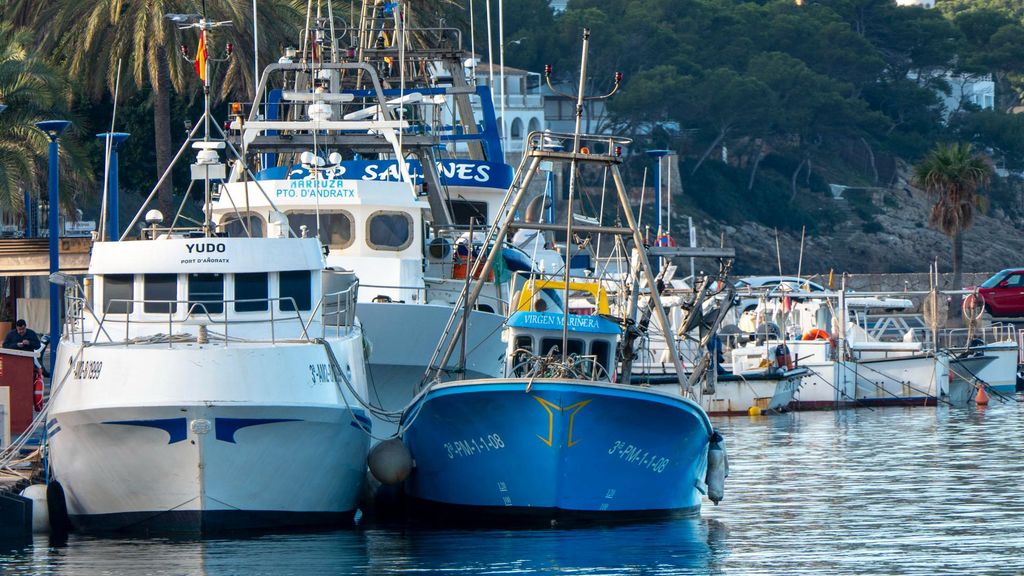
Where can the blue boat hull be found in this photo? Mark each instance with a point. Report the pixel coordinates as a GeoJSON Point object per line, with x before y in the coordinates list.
{"type": "Point", "coordinates": [563, 448]}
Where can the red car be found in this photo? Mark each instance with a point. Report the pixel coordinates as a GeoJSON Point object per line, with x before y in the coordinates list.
{"type": "Point", "coordinates": [1003, 293]}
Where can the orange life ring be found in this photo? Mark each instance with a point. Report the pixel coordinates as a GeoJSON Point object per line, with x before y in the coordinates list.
{"type": "Point", "coordinates": [816, 334]}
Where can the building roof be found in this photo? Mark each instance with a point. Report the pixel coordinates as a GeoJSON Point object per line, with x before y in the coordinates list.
{"type": "Point", "coordinates": [486, 68]}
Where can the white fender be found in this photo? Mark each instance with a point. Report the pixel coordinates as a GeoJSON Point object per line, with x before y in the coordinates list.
{"type": "Point", "coordinates": [40, 511]}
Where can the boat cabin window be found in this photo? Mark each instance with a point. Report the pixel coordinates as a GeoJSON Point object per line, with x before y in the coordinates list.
{"type": "Point", "coordinates": [524, 342]}
{"type": "Point", "coordinates": [463, 210]}
{"type": "Point", "coordinates": [573, 346]}
{"type": "Point", "coordinates": [337, 226]}
{"type": "Point", "coordinates": [232, 225]}
{"type": "Point", "coordinates": [251, 292]}
{"type": "Point", "coordinates": [160, 292]}
{"type": "Point", "coordinates": [387, 230]}
{"type": "Point", "coordinates": [205, 294]}
{"type": "Point", "coordinates": [118, 287]}
{"type": "Point", "coordinates": [295, 286]}
{"type": "Point", "coordinates": [601, 350]}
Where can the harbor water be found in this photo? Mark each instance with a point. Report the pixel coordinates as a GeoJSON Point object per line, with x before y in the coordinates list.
{"type": "Point", "coordinates": [885, 491]}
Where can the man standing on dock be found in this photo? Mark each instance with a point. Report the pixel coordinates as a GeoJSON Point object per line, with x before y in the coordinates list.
{"type": "Point", "coordinates": [22, 338]}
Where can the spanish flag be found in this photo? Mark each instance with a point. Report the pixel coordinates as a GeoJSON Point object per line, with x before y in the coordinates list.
{"type": "Point", "coordinates": [200, 63]}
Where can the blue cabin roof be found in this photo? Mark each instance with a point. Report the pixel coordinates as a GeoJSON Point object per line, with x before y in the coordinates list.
{"type": "Point", "coordinates": [553, 321]}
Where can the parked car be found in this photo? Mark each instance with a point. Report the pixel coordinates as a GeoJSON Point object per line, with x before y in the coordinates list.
{"type": "Point", "coordinates": [1003, 293]}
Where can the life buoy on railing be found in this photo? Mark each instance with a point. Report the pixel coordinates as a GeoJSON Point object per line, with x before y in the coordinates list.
{"type": "Point", "coordinates": [816, 334]}
{"type": "Point", "coordinates": [37, 390]}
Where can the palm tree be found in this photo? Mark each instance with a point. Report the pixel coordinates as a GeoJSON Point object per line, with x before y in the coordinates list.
{"type": "Point", "coordinates": [89, 37]}
{"type": "Point", "coordinates": [952, 174]}
{"type": "Point", "coordinates": [32, 90]}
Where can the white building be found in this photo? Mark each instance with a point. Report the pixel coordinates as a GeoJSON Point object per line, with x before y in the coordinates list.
{"type": "Point", "coordinates": [921, 3]}
{"type": "Point", "coordinates": [523, 105]}
{"type": "Point", "coordinates": [965, 89]}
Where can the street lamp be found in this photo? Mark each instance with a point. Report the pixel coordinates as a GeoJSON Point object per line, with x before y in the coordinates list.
{"type": "Point", "coordinates": [657, 155]}
{"type": "Point", "coordinates": [53, 129]}
{"type": "Point", "coordinates": [116, 139]}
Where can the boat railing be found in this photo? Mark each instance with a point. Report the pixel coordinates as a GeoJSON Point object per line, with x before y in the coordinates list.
{"type": "Point", "coordinates": [452, 286]}
{"type": "Point", "coordinates": [597, 144]}
{"type": "Point", "coordinates": [337, 311]}
{"type": "Point", "coordinates": [963, 337]}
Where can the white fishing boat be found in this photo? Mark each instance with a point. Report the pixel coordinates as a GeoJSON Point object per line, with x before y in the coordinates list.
{"type": "Point", "coordinates": [205, 383]}
{"type": "Point", "coordinates": [771, 386]}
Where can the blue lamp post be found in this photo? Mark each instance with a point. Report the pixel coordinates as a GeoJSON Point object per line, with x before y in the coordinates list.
{"type": "Point", "coordinates": [116, 139]}
{"type": "Point", "coordinates": [53, 129]}
{"type": "Point", "coordinates": [657, 155]}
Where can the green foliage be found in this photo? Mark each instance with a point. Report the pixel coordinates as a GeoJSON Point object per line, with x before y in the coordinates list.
{"type": "Point", "coordinates": [720, 191]}
{"type": "Point", "coordinates": [33, 91]}
{"type": "Point", "coordinates": [952, 174]}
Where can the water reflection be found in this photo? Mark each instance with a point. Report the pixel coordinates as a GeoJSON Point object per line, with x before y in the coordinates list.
{"type": "Point", "coordinates": [689, 546]}
{"type": "Point", "coordinates": [884, 491]}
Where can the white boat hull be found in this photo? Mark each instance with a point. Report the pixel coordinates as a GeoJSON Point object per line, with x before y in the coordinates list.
{"type": "Point", "coordinates": [207, 439]}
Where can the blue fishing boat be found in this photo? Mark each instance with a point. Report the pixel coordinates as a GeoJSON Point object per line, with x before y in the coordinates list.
{"type": "Point", "coordinates": [559, 440]}
{"type": "Point", "coordinates": [561, 434]}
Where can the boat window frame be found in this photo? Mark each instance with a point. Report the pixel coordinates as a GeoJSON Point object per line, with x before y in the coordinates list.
{"type": "Point", "coordinates": [202, 308]}
{"type": "Point", "coordinates": [261, 304]}
{"type": "Point", "coordinates": [285, 305]}
{"type": "Point", "coordinates": [172, 306]}
{"type": "Point", "coordinates": [130, 301]}
{"type": "Point", "coordinates": [411, 230]}
{"type": "Point", "coordinates": [329, 212]}
{"type": "Point", "coordinates": [237, 217]}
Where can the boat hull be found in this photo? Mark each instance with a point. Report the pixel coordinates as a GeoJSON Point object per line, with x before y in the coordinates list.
{"type": "Point", "coordinates": [201, 468]}
{"type": "Point", "coordinates": [736, 394]}
{"type": "Point", "coordinates": [158, 438]}
{"type": "Point", "coordinates": [558, 449]}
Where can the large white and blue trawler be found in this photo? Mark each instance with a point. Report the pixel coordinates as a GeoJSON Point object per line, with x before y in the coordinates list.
{"type": "Point", "coordinates": [557, 436]}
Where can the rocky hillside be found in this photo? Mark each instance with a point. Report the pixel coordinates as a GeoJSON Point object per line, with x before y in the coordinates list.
{"type": "Point", "coordinates": [884, 231]}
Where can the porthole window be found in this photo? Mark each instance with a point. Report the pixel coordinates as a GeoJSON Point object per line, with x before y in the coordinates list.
{"type": "Point", "coordinates": [233, 227]}
{"type": "Point", "coordinates": [386, 230]}
{"type": "Point", "coordinates": [337, 226]}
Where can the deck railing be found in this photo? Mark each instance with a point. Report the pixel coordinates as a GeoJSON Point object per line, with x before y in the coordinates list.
{"type": "Point", "coordinates": [335, 311]}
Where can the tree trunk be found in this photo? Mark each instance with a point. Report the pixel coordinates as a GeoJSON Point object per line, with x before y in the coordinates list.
{"type": "Point", "coordinates": [871, 158]}
{"type": "Point", "coordinates": [958, 255]}
{"type": "Point", "coordinates": [162, 133]}
{"type": "Point", "coordinates": [792, 181]}
{"type": "Point", "coordinates": [718, 140]}
{"type": "Point", "coordinates": [753, 170]}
